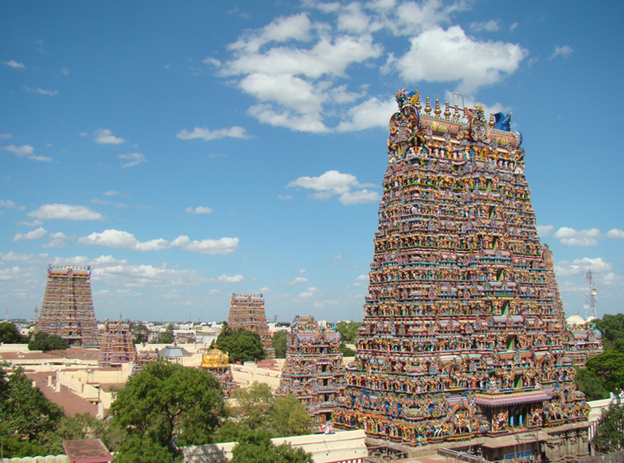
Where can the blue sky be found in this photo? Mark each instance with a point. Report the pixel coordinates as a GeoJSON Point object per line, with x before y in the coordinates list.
{"type": "Point", "coordinates": [188, 150]}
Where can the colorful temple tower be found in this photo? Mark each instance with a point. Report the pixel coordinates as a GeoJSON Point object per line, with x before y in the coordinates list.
{"type": "Point", "coordinates": [464, 333]}
{"type": "Point", "coordinates": [67, 309]}
{"type": "Point", "coordinates": [313, 370]}
{"type": "Point", "coordinates": [247, 312]}
{"type": "Point", "coordinates": [218, 363]}
{"type": "Point", "coordinates": [117, 345]}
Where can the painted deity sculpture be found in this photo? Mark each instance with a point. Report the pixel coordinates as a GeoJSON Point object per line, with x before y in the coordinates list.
{"type": "Point", "coordinates": [464, 331]}
{"type": "Point", "coordinates": [218, 363]}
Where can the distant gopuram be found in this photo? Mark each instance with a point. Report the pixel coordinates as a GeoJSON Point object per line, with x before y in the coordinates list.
{"type": "Point", "coordinates": [247, 312]}
{"type": "Point", "coordinates": [67, 309]}
{"type": "Point", "coordinates": [313, 370]}
{"type": "Point", "coordinates": [117, 345]}
{"type": "Point", "coordinates": [464, 333]}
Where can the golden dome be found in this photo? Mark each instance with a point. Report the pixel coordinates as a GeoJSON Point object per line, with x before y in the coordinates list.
{"type": "Point", "coordinates": [214, 358]}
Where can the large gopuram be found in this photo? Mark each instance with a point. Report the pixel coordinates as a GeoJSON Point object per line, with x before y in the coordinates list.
{"type": "Point", "coordinates": [464, 333]}
{"type": "Point", "coordinates": [313, 370]}
{"type": "Point", "coordinates": [67, 309]}
{"type": "Point", "coordinates": [247, 312]}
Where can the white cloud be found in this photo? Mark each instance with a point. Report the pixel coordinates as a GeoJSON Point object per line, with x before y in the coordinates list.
{"type": "Point", "coordinates": [564, 52]}
{"type": "Point", "coordinates": [114, 193]}
{"type": "Point", "coordinates": [544, 230]}
{"type": "Point", "coordinates": [34, 223]}
{"type": "Point", "coordinates": [413, 18]}
{"type": "Point", "coordinates": [27, 152]}
{"type": "Point", "coordinates": [41, 91]}
{"type": "Point", "coordinates": [4, 136]}
{"type": "Point", "coordinates": [362, 278]}
{"type": "Point", "coordinates": [359, 197]}
{"type": "Point", "coordinates": [284, 197]}
{"type": "Point", "coordinates": [221, 246]}
{"type": "Point", "coordinates": [31, 235]}
{"type": "Point", "coordinates": [297, 281]}
{"type": "Point", "coordinates": [571, 237]}
{"type": "Point", "coordinates": [212, 62]}
{"type": "Point", "coordinates": [14, 64]}
{"type": "Point", "coordinates": [7, 203]}
{"type": "Point", "coordinates": [352, 19]}
{"type": "Point", "coordinates": [65, 211]}
{"type": "Point", "coordinates": [489, 26]}
{"type": "Point", "coordinates": [370, 113]}
{"type": "Point", "coordinates": [57, 240]}
{"type": "Point", "coordinates": [439, 55]}
{"type": "Point", "coordinates": [227, 279]}
{"type": "Point", "coordinates": [513, 27]}
{"type": "Point", "coordinates": [133, 158]}
{"type": "Point", "coordinates": [580, 267]}
{"type": "Point", "coordinates": [123, 240]}
{"type": "Point", "coordinates": [65, 71]}
{"type": "Point", "coordinates": [309, 293]}
{"type": "Point", "coordinates": [198, 210]}
{"type": "Point", "coordinates": [106, 137]}
{"type": "Point", "coordinates": [615, 233]}
{"type": "Point", "coordinates": [338, 258]}
{"type": "Point", "coordinates": [207, 135]}
{"type": "Point", "coordinates": [282, 29]}
{"type": "Point", "coordinates": [333, 183]}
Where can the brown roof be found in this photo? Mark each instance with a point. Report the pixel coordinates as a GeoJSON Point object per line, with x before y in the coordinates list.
{"type": "Point", "coordinates": [71, 403]}
{"type": "Point", "coordinates": [87, 451]}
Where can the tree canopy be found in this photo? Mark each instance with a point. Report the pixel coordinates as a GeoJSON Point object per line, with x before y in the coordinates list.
{"type": "Point", "coordinates": [256, 447]}
{"type": "Point", "coordinates": [604, 373]}
{"type": "Point", "coordinates": [348, 331]}
{"type": "Point", "coordinates": [26, 415]}
{"type": "Point", "coordinates": [259, 410]}
{"type": "Point", "coordinates": [166, 337]}
{"type": "Point", "coordinates": [280, 344]}
{"type": "Point", "coordinates": [9, 334]}
{"type": "Point", "coordinates": [167, 405]}
{"type": "Point", "coordinates": [45, 342]}
{"type": "Point", "coordinates": [610, 429]}
{"type": "Point", "coordinates": [240, 345]}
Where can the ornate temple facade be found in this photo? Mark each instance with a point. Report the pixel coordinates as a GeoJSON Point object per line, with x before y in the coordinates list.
{"type": "Point", "coordinates": [247, 312]}
{"type": "Point", "coordinates": [218, 363]}
{"type": "Point", "coordinates": [464, 333]}
{"type": "Point", "coordinates": [67, 309]}
{"type": "Point", "coordinates": [313, 370]}
{"type": "Point", "coordinates": [117, 345]}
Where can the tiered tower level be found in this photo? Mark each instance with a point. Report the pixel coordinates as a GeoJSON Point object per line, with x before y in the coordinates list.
{"type": "Point", "coordinates": [247, 312]}
{"type": "Point", "coordinates": [464, 331]}
{"type": "Point", "coordinates": [117, 345]}
{"type": "Point", "coordinates": [313, 370]}
{"type": "Point", "coordinates": [67, 309]}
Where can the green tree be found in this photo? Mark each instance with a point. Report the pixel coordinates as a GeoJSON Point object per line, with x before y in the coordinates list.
{"type": "Point", "coordinates": [612, 329]}
{"type": "Point", "coordinates": [168, 405]}
{"type": "Point", "coordinates": [140, 333]}
{"type": "Point", "coordinates": [610, 430]}
{"type": "Point", "coordinates": [46, 342]}
{"type": "Point", "coordinates": [166, 337]}
{"type": "Point", "coordinates": [348, 331]}
{"type": "Point", "coordinates": [280, 344]}
{"type": "Point", "coordinates": [256, 447]}
{"type": "Point", "coordinates": [609, 368]}
{"type": "Point", "coordinates": [592, 386]}
{"type": "Point", "coordinates": [9, 334]}
{"type": "Point", "coordinates": [259, 410]}
{"type": "Point", "coordinates": [26, 415]}
{"type": "Point", "coordinates": [241, 345]}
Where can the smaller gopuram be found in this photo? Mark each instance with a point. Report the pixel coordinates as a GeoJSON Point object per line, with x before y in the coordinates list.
{"type": "Point", "coordinates": [313, 370]}
{"type": "Point", "coordinates": [218, 363]}
{"type": "Point", "coordinates": [117, 346]}
{"type": "Point", "coordinates": [67, 309]}
{"type": "Point", "coordinates": [247, 312]}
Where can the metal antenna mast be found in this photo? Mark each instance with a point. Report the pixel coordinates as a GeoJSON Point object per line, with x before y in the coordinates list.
{"type": "Point", "coordinates": [591, 296]}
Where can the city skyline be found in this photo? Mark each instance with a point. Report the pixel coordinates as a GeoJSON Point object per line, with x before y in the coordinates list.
{"type": "Point", "coordinates": [190, 151]}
